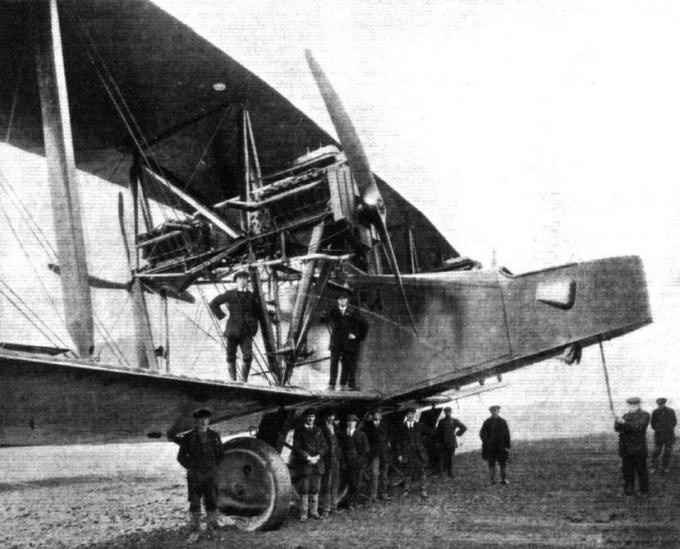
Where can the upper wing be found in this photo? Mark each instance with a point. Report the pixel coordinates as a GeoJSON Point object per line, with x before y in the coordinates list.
{"type": "Point", "coordinates": [141, 82]}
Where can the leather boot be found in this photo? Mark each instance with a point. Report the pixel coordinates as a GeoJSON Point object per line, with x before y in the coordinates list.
{"type": "Point", "coordinates": [492, 475]}
{"type": "Point", "coordinates": [213, 523]}
{"type": "Point", "coordinates": [314, 506]}
{"type": "Point", "coordinates": [304, 507]}
{"type": "Point", "coordinates": [231, 366]}
{"type": "Point", "coordinates": [194, 526]}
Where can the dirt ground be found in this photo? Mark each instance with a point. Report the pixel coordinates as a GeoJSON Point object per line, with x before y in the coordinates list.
{"type": "Point", "coordinates": [563, 493]}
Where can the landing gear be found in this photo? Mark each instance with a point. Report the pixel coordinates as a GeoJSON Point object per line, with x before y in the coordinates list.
{"type": "Point", "coordinates": [254, 485]}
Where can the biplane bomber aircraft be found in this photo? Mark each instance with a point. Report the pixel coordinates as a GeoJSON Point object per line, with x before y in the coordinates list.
{"type": "Point", "coordinates": [253, 184]}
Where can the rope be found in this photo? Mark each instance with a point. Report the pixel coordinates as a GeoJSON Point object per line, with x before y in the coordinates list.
{"type": "Point", "coordinates": [606, 377]}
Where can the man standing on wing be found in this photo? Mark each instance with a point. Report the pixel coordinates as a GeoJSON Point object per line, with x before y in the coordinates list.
{"type": "Point", "coordinates": [348, 330]}
{"type": "Point", "coordinates": [244, 316]}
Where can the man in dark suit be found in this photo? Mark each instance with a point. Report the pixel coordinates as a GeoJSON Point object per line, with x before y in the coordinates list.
{"type": "Point", "coordinates": [200, 453]}
{"type": "Point", "coordinates": [330, 481]}
{"type": "Point", "coordinates": [348, 330]}
{"type": "Point", "coordinates": [632, 429]}
{"type": "Point", "coordinates": [495, 436]}
{"type": "Point", "coordinates": [309, 449]}
{"type": "Point", "coordinates": [244, 315]}
{"type": "Point", "coordinates": [378, 456]}
{"type": "Point", "coordinates": [411, 452]}
{"type": "Point", "coordinates": [354, 451]}
{"type": "Point", "coordinates": [448, 429]}
{"type": "Point", "coordinates": [663, 423]}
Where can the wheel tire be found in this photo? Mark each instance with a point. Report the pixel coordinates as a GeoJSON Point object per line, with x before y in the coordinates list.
{"type": "Point", "coordinates": [254, 485]}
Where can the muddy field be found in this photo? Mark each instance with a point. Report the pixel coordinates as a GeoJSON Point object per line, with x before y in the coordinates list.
{"type": "Point", "coordinates": [563, 493]}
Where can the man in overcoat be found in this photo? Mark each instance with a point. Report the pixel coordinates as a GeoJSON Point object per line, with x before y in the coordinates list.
{"type": "Point", "coordinates": [378, 437]}
{"type": "Point", "coordinates": [244, 316]}
{"type": "Point", "coordinates": [348, 330]}
{"type": "Point", "coordinates": [354, 451]}
{"type": "Point", "coordinates": [632, 429]}
{"type": "Point", "coordinates": [663, 423]}
{"type": "Point", "coordinates": [448, 429]}
{"type": "Point", "coordinates": [495, 436]}
{"type": "Point", "coordinates": [411, 452]}
{"type": "Point", "coordinates": [309, 449]}
{"type": "Point", "coordinates": [200, 453]}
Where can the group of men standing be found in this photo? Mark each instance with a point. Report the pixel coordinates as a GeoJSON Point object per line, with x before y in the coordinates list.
{"type": "Point", "coordinates": [632, 429]}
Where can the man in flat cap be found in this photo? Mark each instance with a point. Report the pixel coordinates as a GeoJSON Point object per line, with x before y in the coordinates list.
{"type": "Point", "coordinates": [354, 451]}
{"type": "Point", "coordinates": [378, 455]}
{"type": "Point", "coordinates": [495, 436]}
{"type": "Point", "coordinates": [309, 449]}
{"type": "Point", "coordinates": [348, 330]}
{"type": "Point", "coordinates": [411, 452]}
{"type": "Point", "coordinates": [632, 429]}
{"type": "Point", "coordinates": [244, 316]}
{"type": "Point", "coordinates": [448, 429]}
{"type": "Point", "coordinates": [200, 453]}
{"type": "Point", "coordinates": [663, 423]}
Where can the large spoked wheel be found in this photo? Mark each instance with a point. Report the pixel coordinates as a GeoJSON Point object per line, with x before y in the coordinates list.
{"type": "Point", "coordinates": [254, 485]}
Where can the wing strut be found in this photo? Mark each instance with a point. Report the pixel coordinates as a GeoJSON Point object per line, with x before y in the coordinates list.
{"type": "Point", "coordinates": [62, 176]}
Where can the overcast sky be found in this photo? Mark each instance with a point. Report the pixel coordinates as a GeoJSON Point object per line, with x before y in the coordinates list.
{"type": "Point", "coordinates": [545, 132]}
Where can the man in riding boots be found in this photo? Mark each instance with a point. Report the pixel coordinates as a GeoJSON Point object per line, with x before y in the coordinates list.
{"type": "Point", "coordinates": [411, 452]}
{"type": "Point", "coordinates": [330, 481]}
{"type": "Point", "coordinates": [632, 429]}
{"type": "Point", "coordinates": [200, 453]}
{"type": "Point", "coordinates": [309, 449]}
{"type": "Point", "coordinates": [244, 316]}
{"type": "Point", "coordinates": [348, 330]}
{"type": "Point", "coordinates": [378, 456]}
{"type": "Point", "coordinates": [448, 429]}
{"type": "Point", "coordinates": [354, 450]}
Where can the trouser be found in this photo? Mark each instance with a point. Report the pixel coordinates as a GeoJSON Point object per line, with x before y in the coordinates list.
{"type": "Point", "coordinates": [378, 476]}
{"type": "Point", "coordinates": [446, 461]}
{"type": "Point", "coordinates": [632, 466]}
{"type": "Point", "coordinates": [246, 344]}
{"type": "Point", "coordinates": [353, 476]}
{"type": "Point", "coordinates": [501, 459]}
{"type": "Point", "coordinates": [349, 365]}
{"type": "Point", "coordinates": [330, 482]}
{"type": "Point", "coordinates": [415, 474]}
{"type": "Point", "coordinates": [202, 485]}
{"type": "Point", "coordinates": [309, 484]}
{"type": "Point", "coordinates": [663, 448]}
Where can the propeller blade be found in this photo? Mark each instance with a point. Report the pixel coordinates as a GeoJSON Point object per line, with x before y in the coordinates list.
{"type": "Point", "coordinates": [361, 170]}
{"type": "Point", "coordinates": [121, 221]}
{"type": "Point", "coordinates": [93, 281]}
{"type": "Point", "coordinates": [347, 134]}
{"type": "Point", "coordinates": [153, 288]}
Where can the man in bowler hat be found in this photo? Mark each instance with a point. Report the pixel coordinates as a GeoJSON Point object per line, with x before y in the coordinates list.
{"type": "Point", "coordinates": [244, 316]}
{"type": "Point", "coordinates": [348, 330]}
